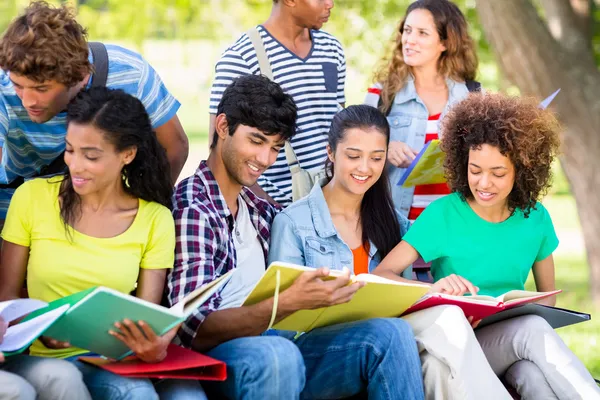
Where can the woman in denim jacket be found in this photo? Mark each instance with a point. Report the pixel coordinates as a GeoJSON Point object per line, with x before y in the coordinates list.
{"type": "Point", "coordinates": [349, 221]}
{"type": "Point", "coordinates": [432, 67]}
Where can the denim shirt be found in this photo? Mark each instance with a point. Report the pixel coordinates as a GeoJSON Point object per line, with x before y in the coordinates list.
{"type": "Point", "coordinates": [408, 123]}
{"type": "Point", "coordinates": [304, 234]}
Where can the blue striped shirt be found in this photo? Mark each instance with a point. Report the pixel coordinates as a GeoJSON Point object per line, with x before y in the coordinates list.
{"type": "Point", "coordinates": [317, 85]}
{"type": "Point", "coordinates": [28, 146]}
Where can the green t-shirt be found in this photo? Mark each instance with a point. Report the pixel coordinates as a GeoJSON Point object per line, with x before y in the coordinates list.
{"type": "Point", "coordinates": [496, 257]}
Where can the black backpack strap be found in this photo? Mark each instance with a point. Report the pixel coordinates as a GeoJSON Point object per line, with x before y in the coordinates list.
{"type": "Point", "coordinates": [473, 86]}
{"type": "Point", "coordinates": [100, 56]}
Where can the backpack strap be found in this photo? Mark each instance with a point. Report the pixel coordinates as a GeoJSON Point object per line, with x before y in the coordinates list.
{"type": "Point", "coordinates": [265, 68]}
{"type": "Point", "coordinates": [473, 86]}
{"type": "Point", "coordinates": [100, 56]}
{"type": "Point", "coordinates": [261, 54]}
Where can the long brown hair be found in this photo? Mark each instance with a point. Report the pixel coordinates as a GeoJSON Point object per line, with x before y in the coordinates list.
{"type": "Point", "coordinates": [458, 62]}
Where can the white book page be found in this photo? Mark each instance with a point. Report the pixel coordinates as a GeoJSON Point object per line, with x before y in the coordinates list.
{"type": "Point", "coordinates": [13, 309]}
{"type": "Point", "coordinates": [20, 335]}
{"type": "Point", "coordinates": [515, 295]}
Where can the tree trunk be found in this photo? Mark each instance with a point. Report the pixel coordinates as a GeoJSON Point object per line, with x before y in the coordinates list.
{"type": "Point", "coordinates": [538, 65]}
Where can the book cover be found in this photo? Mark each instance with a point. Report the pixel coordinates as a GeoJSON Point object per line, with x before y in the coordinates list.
{"type": "Point", "coordinates": [180, 363]}
{"type": "Point", "coordinates": [427, 167]}
{"type": "Point", "coordinates": [93, 312]}
{"type": "Point", "coordinates": [556, 317]}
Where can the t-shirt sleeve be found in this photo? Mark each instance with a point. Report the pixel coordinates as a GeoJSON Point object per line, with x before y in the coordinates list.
{"type": "Point", "coordinates": [373, 95]}
{"type": "Point", "coordinates": [230, 66]}
{"type": "Point", "coordinates": [160, 249]}
{"type": "Point", "coordinates": [19, 220]}
{"type": "Point", "coordinates": [426, 232]}
{"type": "Point", "coordinates": [549, 240]}
{"type": "Point", "coordinates": [159, 102]}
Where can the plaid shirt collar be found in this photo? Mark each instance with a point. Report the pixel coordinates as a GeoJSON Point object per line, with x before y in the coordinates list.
{"type": "Point", "coordinates": [261, 212]}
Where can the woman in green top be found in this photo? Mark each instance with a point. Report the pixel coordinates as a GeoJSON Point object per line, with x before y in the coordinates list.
{"type": "Point", "coordinates": [491, 232]}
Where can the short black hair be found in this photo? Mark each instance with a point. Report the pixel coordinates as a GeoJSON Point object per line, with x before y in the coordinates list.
{"type": "Point", "coordinates": [260, 103]}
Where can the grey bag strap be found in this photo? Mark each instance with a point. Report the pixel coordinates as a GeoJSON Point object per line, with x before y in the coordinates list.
{"type": "Point", "coordinates": [100, 56]}
{"type": "Point", "coordinates": [265, 69]}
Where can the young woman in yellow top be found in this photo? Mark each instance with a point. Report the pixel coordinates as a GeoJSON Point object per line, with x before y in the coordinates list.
{"type": "Point", "coordinates": [105, 222]}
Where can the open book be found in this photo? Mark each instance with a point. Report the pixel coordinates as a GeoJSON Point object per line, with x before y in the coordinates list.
{"type": "Point", "coordinates": [20, 336]}
{"type": "Point", "coordinates": [93, 312]}
{"type": "Point", "coordinates": [180, 363]}
{"type": "Point", "coordinates": [428, 166]}
{"type": "Point", "coordinates": [379, 298]}
{"type": "Point", "coordinates": [479, 306]}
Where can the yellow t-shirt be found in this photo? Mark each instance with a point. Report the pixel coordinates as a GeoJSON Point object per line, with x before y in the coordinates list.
{"type": "Point", "coordinates": [60, 265]}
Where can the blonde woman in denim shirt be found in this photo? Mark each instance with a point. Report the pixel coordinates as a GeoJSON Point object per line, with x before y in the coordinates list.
{"type": "Point", "coordinates": [349, 221]}
{"type": "Point", "coordinates": [432, 67]}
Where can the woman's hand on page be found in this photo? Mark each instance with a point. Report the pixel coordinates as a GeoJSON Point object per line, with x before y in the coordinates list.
{"type": "Point", "coordinates": [454, 285]}
{"type": "Point", "coordinates": [474, 323]}
{"type": "Point", "coordinates": [143, 341]}
{"type": "Point", "coordinates": [400, 154]}
{"type": "Point", "coordinates": [310, 290]}
{"type": "Point", "coordinates": [53, 343]}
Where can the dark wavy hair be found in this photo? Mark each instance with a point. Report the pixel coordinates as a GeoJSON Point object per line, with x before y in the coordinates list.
{"type": "Point", "coordinates": [526, 134]}
{"type": "Point", "coordinates": [378, 217]}
{"type": "Point", "coordinates": [46, 43]}
{"type": "Point", "coordinates": [256, 101]}
{"type": "Point", "coordinates": [125, 123]}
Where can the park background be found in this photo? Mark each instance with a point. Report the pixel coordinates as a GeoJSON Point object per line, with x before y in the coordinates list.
{"type": "Point", "coordinates": [183, 39]}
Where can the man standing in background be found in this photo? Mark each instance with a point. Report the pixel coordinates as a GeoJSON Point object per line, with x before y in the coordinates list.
{"type": "Point", "coordinates": [308, 64]}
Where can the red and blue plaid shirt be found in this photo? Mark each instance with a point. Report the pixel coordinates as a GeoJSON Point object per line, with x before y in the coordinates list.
{"type": "Point", "coordinates": [205, 248]}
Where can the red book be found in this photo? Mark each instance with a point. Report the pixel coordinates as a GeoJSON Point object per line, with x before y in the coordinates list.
{"type": "Point", "coordinates": [478, 306]}
{"type": "Point", "coordinates": [180, 363]}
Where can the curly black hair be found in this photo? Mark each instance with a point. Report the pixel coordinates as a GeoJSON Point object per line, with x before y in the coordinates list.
{"type": "Point", "coordinates": [125, 123]}
{"type": "Point", "coordinates": [526, 134]}
{"type": "Point", "coordinates": [256, 101]}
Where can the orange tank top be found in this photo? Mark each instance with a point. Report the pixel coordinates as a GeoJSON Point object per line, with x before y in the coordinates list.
{"type": "Point", "coordinates": [361, 259]}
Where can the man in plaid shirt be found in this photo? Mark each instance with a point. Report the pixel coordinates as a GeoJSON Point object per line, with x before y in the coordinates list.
{"type": "Point", "coordinates": [221, 225]}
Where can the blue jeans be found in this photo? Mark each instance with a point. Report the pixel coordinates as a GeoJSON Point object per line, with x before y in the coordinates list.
{"type": "Point", "coordinates": [378, 357]}
{"type": "Point", "coordinates": [105, 385]}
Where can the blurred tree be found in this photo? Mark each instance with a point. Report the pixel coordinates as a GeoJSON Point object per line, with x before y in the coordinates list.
{"type": "Point", "coordinates": [557, 46]}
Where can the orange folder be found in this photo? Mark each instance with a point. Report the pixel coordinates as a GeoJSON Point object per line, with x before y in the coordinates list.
{"type": "Point", "coordinates": [180, 363]}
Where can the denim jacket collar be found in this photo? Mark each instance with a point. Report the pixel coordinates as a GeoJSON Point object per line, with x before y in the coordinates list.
{"type": "Point", "coordinates": [409, 91]}
{"type": "Point", "coordinates": [321, 217]}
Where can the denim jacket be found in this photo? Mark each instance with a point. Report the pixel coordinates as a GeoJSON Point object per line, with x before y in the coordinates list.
{"type": "Point", "coordinates": [408, 123]}
{"type": "Point", "coordinates": [304, 234]}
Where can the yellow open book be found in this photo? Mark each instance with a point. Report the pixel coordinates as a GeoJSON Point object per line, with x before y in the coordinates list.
{"type": "Point", "coordinates": [379, 298]}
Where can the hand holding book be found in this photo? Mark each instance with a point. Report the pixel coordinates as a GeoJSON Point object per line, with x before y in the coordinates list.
{"type": "Point", "coordinates": [143, 341]}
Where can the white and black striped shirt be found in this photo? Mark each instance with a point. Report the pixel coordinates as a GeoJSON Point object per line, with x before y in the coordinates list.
{"type": "Point", "coordinates": [317, 85]}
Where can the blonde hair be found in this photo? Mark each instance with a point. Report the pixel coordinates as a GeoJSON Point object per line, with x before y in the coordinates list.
{"type": "Point", "coordinates": [458, 62]}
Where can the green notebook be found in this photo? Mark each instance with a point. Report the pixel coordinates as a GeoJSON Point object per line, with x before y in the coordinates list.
{"type": "Point", "coordinates": [93, 312]}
